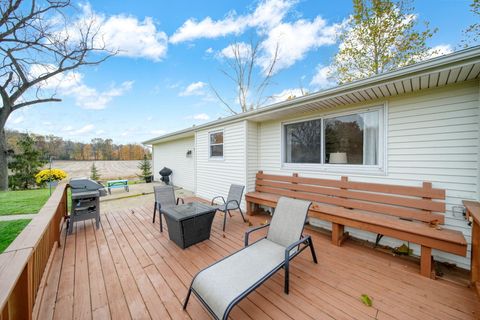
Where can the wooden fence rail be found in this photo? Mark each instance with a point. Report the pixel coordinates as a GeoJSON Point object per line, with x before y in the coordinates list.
{"type": "Point", "coordinates": [473, 215]}
{"type": "Point", "coordinates": [24, 262]}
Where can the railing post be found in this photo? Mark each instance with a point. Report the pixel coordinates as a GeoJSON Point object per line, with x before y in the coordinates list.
{"type": "Point", "coordinates": [30, 285]}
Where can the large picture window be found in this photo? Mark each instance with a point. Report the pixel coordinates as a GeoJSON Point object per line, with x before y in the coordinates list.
{"type": "Point", "coordinates": [348, 139]}
{"type": "Point", "coordinates": [216, 144]}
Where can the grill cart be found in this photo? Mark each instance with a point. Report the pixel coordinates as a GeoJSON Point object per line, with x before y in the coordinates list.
{"type": "Point", "coordinates": [86, 195]}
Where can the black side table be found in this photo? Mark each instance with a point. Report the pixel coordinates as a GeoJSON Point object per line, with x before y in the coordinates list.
{"type": "Point", "coordinates": [189, 223]}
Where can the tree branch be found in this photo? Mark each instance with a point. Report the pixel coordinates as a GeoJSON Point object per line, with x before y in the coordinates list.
{"type": "Point", "coordinates": [29, 103]}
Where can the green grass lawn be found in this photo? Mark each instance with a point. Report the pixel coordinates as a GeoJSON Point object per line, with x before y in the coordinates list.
{"type": "Point", "coordinates": [23, 201]}
{"type": "Point", "coordinates": [9, 230]}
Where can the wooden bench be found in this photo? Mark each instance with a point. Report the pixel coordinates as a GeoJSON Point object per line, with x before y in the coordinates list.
{"type": "Point", "coordinates": [117, 184]}
{"type": "Point", "coordinates": [402, 212]}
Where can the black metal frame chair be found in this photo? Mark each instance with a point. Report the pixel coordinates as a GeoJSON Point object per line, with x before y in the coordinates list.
{"type": "Point", "coordinates": [165, 195]}
{"type": "Point", "coordinates": [234, 199]}
{"type": "Point", "coordinates": [300, 245]}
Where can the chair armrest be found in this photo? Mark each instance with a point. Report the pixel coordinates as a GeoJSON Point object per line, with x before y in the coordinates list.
{"type": "Point", "coordinates": [247, 234]}
{"type": "Point", "coordinates": [218, 198]}
{"type": "Point", "coordinates": [234, 201]}
{"type": "Point", "coordinates": [294, 245]}
{"type": "Point", "coordinates": [178, 199]}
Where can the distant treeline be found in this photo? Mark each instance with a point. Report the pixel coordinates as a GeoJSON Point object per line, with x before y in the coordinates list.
{"type": "Point", "coordinates": [97, 149]}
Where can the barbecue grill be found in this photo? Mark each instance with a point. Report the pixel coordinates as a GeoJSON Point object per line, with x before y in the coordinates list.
{"type": "Point", "coordinates": [165, 173]}
{"type": "Point", "coordinates": [86, 195]}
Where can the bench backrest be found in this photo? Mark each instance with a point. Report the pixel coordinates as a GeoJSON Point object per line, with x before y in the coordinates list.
{"type": "Point", "coordinates": [406, 202]}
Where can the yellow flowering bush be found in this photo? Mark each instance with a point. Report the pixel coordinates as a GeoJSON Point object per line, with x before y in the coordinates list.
{"type": "Point", "coordinates": [47, 175]}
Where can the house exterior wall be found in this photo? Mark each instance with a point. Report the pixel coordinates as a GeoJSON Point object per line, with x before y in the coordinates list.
{"type": "Point", "coordinates": [214, 176]}
{"type": "Point", "coordinates": [432, 135]}
{"type": "Point", "coordinates": [251, 154]}
{"type": "Point", "coordinates": [172, 154]}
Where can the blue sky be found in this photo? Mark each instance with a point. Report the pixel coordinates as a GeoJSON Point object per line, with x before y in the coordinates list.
{"type": "Point", "coordinates": [170, 53]}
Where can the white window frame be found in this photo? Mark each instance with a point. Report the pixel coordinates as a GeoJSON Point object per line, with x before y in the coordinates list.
{"type": "Point", "coordinates": [216, 144]}
{"type": "Point", "coordinates": [379, 169]}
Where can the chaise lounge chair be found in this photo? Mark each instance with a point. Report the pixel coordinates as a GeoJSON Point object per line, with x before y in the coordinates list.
{"type": "Point", "coordinates": [225, 283]}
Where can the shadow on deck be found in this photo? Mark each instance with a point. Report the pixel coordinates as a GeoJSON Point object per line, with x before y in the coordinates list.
{"type": "Point", "coordinates": [128, 269]}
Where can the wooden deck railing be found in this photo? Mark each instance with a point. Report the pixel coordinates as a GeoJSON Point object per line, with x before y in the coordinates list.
{"type": "Point", "coordinates": [473, 215]}
{"type": "Point", "coordinates": [24, 262]}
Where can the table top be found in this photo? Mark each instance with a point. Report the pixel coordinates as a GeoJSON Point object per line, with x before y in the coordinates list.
{"type": "Point", "coordinates": [188, 210]}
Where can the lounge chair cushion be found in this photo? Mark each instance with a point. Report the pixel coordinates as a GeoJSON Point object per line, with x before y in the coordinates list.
{"type": "Point", "coordinates": [221, 283]}
{"type": "Point", "coordinates": [288, 220]}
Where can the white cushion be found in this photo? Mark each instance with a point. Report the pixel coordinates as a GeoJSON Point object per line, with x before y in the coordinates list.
{"type": "Point", "coordinates": [221, 283]}
{"type": "Point", "coordinates": [288, 220]}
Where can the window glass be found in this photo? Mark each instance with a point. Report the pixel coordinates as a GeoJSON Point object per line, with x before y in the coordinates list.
{"type": "Point", "coordinates": [303, 142]}
{"type": "Point", "coordinates": [216, 137]}
{"type": "Point", "coordinates": [216, 150]}
{"type": "Point", "coordinates": [352, 139]}
{"type": "Point", "coordinates": [216, 144]}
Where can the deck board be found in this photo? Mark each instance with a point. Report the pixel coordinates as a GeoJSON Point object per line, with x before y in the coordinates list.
{"type": "Point", "coordinates": [127, 269]}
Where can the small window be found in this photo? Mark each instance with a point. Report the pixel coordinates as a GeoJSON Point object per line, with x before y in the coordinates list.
{"type": "Point", "coordinates": [216, 144]}
{"type": "Point", "coordinates": [303, 142]}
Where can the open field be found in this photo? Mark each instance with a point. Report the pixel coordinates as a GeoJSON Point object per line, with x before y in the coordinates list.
{"type": "Point", "coordinates": [108, 170]}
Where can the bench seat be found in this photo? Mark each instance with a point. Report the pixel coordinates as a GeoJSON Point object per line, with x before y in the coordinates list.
{"type": "Point", "coordinates": [442, 239]}
{"type": "Point", "coordinates": [429, 235]}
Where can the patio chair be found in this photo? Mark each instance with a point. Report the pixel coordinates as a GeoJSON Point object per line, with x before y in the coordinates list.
{"type": "Point", "coordinates": [233, 202]}
{"type": "Point", "coordinates": [222, 285]}
{"type": "Point", "coordinates": [164, 197]}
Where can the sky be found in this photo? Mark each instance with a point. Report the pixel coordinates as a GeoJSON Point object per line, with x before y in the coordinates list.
{"type": "Point", "coordinates": [171, 53]}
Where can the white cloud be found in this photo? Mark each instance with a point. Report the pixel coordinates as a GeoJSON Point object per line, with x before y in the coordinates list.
{"type": "Point", "coordinates": [439, 50]}
{"type": "Point", "coordinates": [294, 40]}
{"type": "Point", "coordinates": [99, 132]}
{"type": "Point", "coordinates": [127, 34]}
{"type": "Point", "coordinates": [265, 15]}
{"type": "Point", "coordinates": [17, 120]}
{"type": "Point", "coordinates": [209, 50]}
{"type": "Point", "coordinates": [208, 28]}
{"type": "Point", "coordinates": [71, 84]}
{"type": "Point", "coordinates": [194, 89]}
{"type": "Point", "coordinates": [69, 130]}
{"type": "Point", "coordinates": [287, 94]}
{"type": "Point", "coordinates": [158, 132]}
{"type": "Point", "coordinates": [323, 78]}
{"type": "Point", "coordinates": [201, 116]}
{"type": "Point", "coordinates": [242, 49]}
{"type": "Point", "coordinates": [85, 129]}
{"type": "Point", "coordinates": [134, 38]}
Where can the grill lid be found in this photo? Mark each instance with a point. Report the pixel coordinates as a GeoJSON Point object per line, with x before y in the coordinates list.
{"type": "Point", "coordinates": [85, 184]}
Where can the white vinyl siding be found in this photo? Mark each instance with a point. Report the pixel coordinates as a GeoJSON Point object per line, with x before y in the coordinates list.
{"type": "Point", "coordinates": [214, 176]}
{"type": "Point", "coordinates": [432, 135]}
{"type": "Point", "coordinates": [252, 154]}
{"type": "Point", "coordinates": [173, 155]}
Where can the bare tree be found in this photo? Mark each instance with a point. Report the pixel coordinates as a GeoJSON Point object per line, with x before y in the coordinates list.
{"type": "Point", "coordinates": [242, 61]}
{"type": "Point", "coordinates": [38, 43]}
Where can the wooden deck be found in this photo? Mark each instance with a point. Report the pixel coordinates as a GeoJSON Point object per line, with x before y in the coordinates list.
{"type": "Point", "coordinates": [127, 269]}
